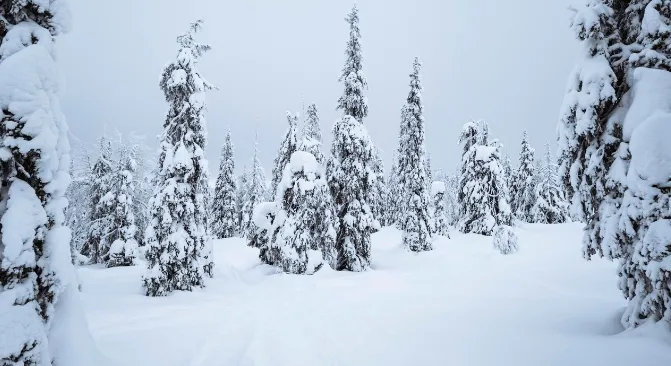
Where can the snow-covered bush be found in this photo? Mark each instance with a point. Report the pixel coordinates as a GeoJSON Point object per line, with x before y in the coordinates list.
{"type": "Point", "coordinates": [505, 239]}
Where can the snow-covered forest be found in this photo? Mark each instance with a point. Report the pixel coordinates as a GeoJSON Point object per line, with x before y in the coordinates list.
{"type": "Point", "coordinates": [114, 252]}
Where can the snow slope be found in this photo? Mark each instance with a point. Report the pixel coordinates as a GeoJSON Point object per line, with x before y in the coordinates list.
{"type": "Point", "coordinates": [461, 304]}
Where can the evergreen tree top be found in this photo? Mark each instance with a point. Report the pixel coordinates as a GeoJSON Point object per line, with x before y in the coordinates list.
{"type": "Point", "coordinates": [187, 40]}
{"type": "Point", "coordinates": [353, 102]}
{"type": "Point", "coordinates": [414, 99]}
{"type": "Point", "coordinates": [311, 128]}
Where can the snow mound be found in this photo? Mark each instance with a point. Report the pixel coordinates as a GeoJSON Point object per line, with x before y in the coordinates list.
{"type": "Point", "coordinates": [651, 94]}
{"type": "Point", "coordinates": [303, 161]}
{"type": "Point", "coordinates": [651, 150]}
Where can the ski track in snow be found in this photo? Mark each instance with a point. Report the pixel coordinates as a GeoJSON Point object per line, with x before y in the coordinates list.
{"type": "Point", "coordinates": [461, 304]}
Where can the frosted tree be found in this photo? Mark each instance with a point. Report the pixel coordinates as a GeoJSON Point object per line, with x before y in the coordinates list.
{"type": "Point", "coordinates": [484, 196]}
{"type": "Point", "coordinates": [391, 210]}
{"type": "Point", "coordinates": [224, 210]}
{"type": "Point", "coordinates": [610, 150]}
{"type": "Point", "coordinates": [416, 220]}
{"type": "Point", "coordinates": [240, 199]}
{"type": "Point", "coordinates": [38, 293]}
{"type": "Point", "coordinates": [350, 169]}
{"type": "Point", "coordinates": [177, 257]}
{"type": "Point", "coordinates": [301, 223]}
{"type": "Point", "coordinates": [123, 248]}
{"type": "Point", "coordinates": [99, 221]}
{"type": "Point", "coordinates": [523, 196]}
{"type": "Point", "coordinates": [311, 141]}
{"type": "Point", "coordinates": [550, 206]}
{"type": "Point", "coordinates": [289, 146]}
{"type": "Point", "coordinates": [353, 102]}
{"type": "Point", "coordinates": [256, 193]}
{"type": "Point", "coordinates": [452, 199]}
{"type": "Point", "coordinates": [439, 214]}
{"type": "Point", "coordinates": [378, 190]}
{"type": "Point", "coordinates": [349, 175]}
{"type": "Point", "coordinates": [510, 174]}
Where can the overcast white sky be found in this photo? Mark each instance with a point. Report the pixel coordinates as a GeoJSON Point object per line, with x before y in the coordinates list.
{"type": "Point", "coordinates": [503, 61]}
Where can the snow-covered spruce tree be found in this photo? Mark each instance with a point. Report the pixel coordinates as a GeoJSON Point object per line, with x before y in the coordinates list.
{"type": "Point", "coordinates": [96, 246]}
{"type": "Point", "coordinates": [224, 210]}
{"type": "Point", "coordinates": [255, 194]}
{"type": "Point", "coordinates": [240, 199]}
{"type": "Point", "coordinates": [587, 140]}
{"type": "Point", "coordinates": [392, 192]}
{"type": "Point", "coordinates": [311, 141]}
{"type": "Point", "coordinates": [378, 190]}
{"type": "Point", "coordinates": [353, 102]}
{"type": "Point", "coordinates": [289, 146]}
{"type": "Point", "coordinates": [350, 170]}
{"type": "Point", "coordinates": [123, 249]}
{"type": "Point", "coordinates": [300, 223]}
{"type": "Point", "coordinates": [510, 174]}
{"type": "Point", "coordinates": [523, 197]}
{"type": "Point", "coordinates": [451, 199]}
{"type": "Point", "coordinates": [550, 206]}
{"type": "Point", "coordinates": [438, 197]}
{"type": "Point", "coordinates": [38, 293]}
{"type": "Point", "coordinates": [416, 218]}
{"type": "Point", "coordinates": [176, 236]}
{"type": "Point", "coordinates": [484, 196]}
{"type": "Point", "coordinates": [349, 175]}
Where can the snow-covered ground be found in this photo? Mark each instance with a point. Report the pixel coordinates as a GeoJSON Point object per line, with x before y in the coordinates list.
{"type": "Point", "coordinates": [461, 304]}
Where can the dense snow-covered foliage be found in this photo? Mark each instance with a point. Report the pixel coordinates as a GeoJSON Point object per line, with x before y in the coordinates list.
{"type": "Point", "coordinates": [224, 211]}
{"type": "Point", "coordinates": [483, 195]}
{"type": "Point", "coordinates": [38, 286]}
{"type": "Point", "coordinates": [349, 174]}
{"type": "Point", "coordinates": [416, 220]}
{"type": "Point", "coordinates": [612, 120]}
{"type": "Point", "coordinates": [287, 148]}
{"type": "Point", "coordinates": [522, 191]}
{"type": "Point", "coordinates": [549, 204]}
{"type": "Point", "coordinates": [378, 191]}
{"type": "Point", "coordinates": [177, 254]}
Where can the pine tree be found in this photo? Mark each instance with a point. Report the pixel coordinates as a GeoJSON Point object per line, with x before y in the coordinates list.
{"type": "Point", "coordinates": [176, 236]}
{"type": "Point", "coordinates": [416, 219]}
{"type": "Point", "coordinates": [311, 140]}
{"type": "Point", "coordinates": [224, 210]}
{"type": "Point", "coordinates": [484, 197]}
{"type": "Point", "coordinates": [256, 193]}
{"type": "Point", "coordinates": [289, 146]}
{"type": "Point", "coordinates": [96, 246]}
{"type": "Point", "coordinates": [523, 196]}
{"type": "Point", "coordinates": [353, 102]}
{"type": "Point", "coordinates": [36, 285]}
{"type": "Point", "coordinates": [550, 206]}
{"type": "Point", "coordinates": [452, 199]}
{"type": "Point", "coordinates": [123, 248]}
{"type": "Point", "coordinates": [439, 214]}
